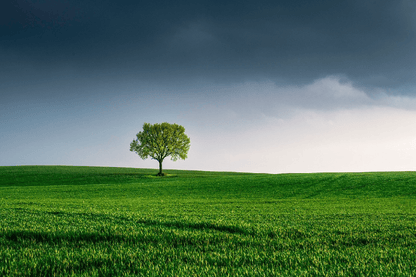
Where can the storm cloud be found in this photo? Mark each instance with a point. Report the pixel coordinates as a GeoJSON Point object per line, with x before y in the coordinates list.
{"type": "Point", "coordinates": [288, 42]}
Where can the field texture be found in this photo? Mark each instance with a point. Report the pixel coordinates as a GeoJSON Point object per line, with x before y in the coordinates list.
{"type": "Point", "coordinates": [91, 221]}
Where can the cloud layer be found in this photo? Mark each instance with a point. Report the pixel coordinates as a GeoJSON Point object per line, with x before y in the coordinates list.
{"type": "Point", "coordinates": [290, 42]}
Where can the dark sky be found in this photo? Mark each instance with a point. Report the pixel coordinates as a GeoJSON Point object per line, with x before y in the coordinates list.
{"type": "Point", "coordinates": [84, 75]}
{"type": "Point", "coordinates": [288, 42]}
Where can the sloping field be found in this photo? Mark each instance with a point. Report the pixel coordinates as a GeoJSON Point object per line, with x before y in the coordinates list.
{"type": "Point", "coordinates": [97, 221]}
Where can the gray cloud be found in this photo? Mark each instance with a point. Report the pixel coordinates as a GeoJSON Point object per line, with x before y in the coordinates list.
{"type": "Point", "coordinates": [288, 42]}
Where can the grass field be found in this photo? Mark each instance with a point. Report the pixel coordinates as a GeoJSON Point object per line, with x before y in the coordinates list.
{"type": "Point", "coordinates": [96, 221]}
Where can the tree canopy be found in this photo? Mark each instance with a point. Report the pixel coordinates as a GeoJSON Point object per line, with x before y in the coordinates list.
{"type": "Point", "coordinates": [161, 140]}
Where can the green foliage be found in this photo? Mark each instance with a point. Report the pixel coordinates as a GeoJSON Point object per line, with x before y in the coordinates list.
{"type": "Point", "coordinates": [160, 141]}
{"type": "Point", "coordinates": [91, 221]}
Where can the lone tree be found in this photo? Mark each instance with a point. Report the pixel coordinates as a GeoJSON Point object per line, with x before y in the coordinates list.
{"type": "Point", "coordinates": [160, 141]}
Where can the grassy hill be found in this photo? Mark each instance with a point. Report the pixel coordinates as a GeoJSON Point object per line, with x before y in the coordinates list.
{"type": "Point", "coordinates": [97, 221]}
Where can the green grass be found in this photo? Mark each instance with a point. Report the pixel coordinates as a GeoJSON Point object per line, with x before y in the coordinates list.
{"type": "Point", "coordinates": [96, 221]}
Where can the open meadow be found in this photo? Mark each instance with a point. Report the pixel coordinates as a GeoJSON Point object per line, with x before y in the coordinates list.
{"type": "Point", "coordinates": [98, 221]}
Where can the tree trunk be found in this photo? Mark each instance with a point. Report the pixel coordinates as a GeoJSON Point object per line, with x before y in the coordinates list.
{"type": "Point", "coordinates": [160, 169]}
